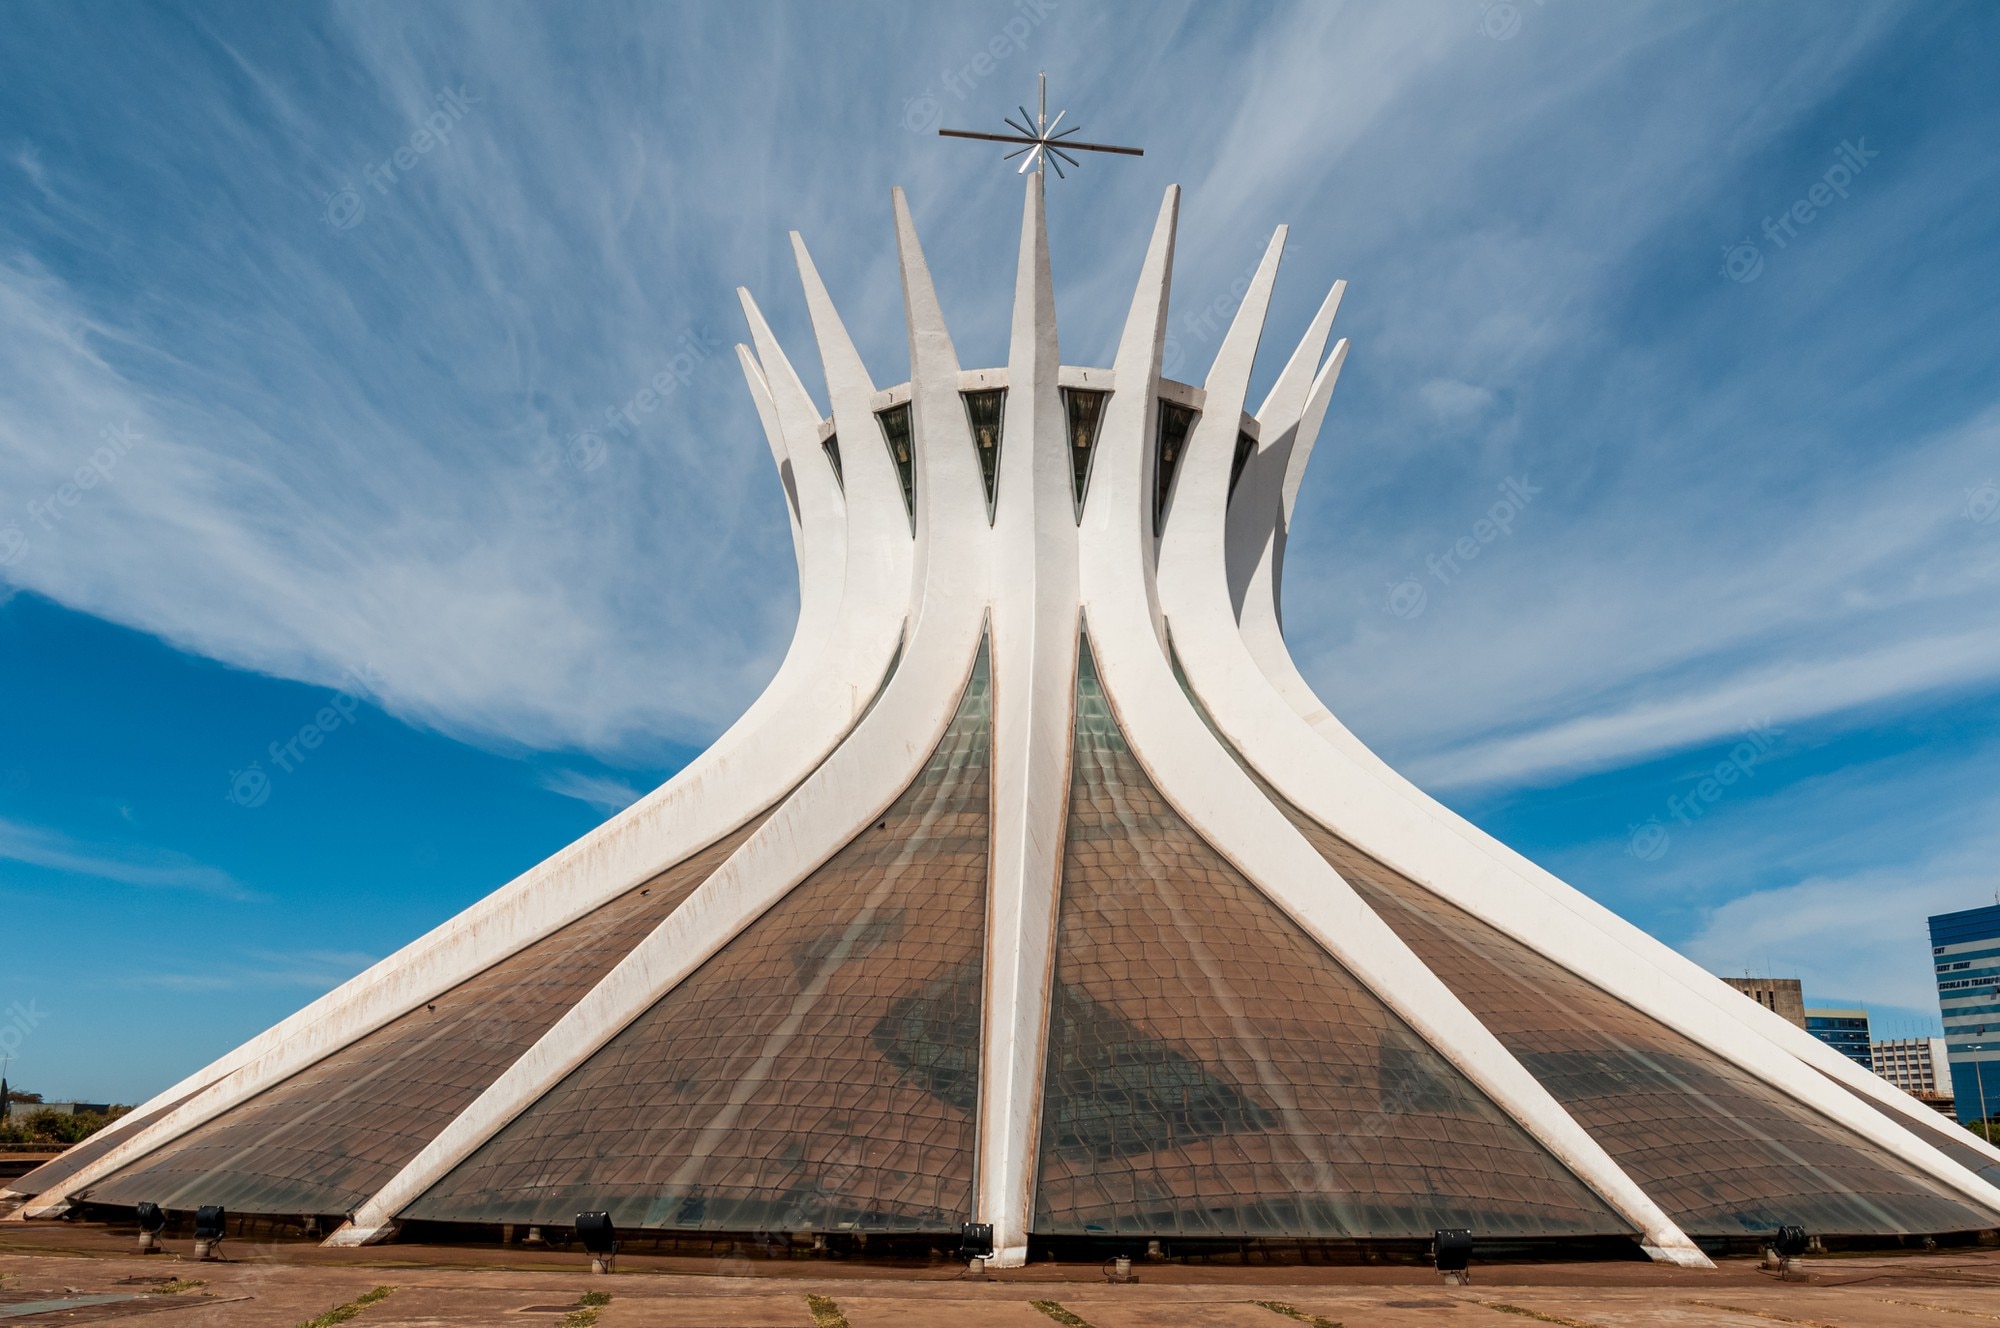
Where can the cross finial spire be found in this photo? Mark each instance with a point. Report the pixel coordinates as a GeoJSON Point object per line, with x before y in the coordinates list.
{"type": "Point", "coordinates": [1043, 145]}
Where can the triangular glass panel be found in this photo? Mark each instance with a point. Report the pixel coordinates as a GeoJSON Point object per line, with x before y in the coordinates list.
{"type": "Point", "coordinates": [984, 411]}
{"type": "Point", "coordinates": [1176, 422]}
{"type": "Point", "coordinates": [1084, 411]}
{"type": "Point", "coordinates": [902, 451]}
{"type": "Point", "coordinates": [832, 449]}
{"type": "Point", "coordinates": [1246, 447]}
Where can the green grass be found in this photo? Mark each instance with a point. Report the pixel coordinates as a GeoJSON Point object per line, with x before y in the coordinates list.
{"type": "Point", "coordinates": [585, 1313]}
{"type": "Point", "coordinates": [1059, 1314]}
{"type": "Point", "coordinates": [1536, 1315]}
{"type": "Point", "coordinates": [826, 1314]}
{"type": "Point", "coordinates": [342, 1313]}
{"type": "Point", "coordinates": [1294, 1312]}
{"type": "Point", "coordinates": [178, 1285]}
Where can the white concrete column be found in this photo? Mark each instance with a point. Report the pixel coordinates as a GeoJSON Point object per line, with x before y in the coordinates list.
{"type": "Point", "coordinates": [1034, 667]}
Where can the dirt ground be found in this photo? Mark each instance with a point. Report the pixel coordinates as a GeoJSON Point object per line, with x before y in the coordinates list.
{"type": "Point", "coordinates": [63, 1273]}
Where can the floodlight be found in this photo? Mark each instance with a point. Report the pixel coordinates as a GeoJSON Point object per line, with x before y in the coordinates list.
{"type": "Point", "coordinates": [976, 1241]}
{"type": "Point", "coordinates": [209, 1222]}
{"type": "Point", "coordinates": [1451, 1248]}
{"type": "Point", "coordinates": [151, 1221]}
{"type": "Point", "coordinates": [1791, 1242]}
{"type": "Point", "coordinates": [599, 1237]}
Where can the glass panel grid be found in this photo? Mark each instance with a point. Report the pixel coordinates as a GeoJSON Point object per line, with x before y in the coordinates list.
{"type": "Point", "coordinates": [820, 1072]}
{"type": "Point", "coordinates": [327, 1138]}
{"type": "Point", "coordinates": [1213, 1072]}
{"type": "Point", "coordinates": [1721, 1151]}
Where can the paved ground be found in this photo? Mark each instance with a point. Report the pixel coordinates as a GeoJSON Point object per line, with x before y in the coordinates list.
{"type": "Point", "coordinates": [59, 1274]}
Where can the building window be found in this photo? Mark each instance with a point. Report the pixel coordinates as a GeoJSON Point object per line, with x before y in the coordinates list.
{"type": "Point", "coordinates": [896, 433]}
{"type": "Point", "coordinates": [1176, 422]}
{"type": "Point", "coordinates": [1085, 411]}
{"type": "Point", "coordinates": [985, 411]}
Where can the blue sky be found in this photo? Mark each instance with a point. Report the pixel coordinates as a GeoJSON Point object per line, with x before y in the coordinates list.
{"type": "Point", "coordinates": [354, 425]}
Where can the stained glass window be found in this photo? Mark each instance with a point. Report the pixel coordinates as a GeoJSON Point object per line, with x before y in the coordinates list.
{"type": "Point", "coordinates": [1176, 422]}
{"type": "Point", "coordinates": [984, 411]}
{"type": "Point", "coordinates": [896, 433]}
{"type": "Point", "coordinates": [1084, 410]}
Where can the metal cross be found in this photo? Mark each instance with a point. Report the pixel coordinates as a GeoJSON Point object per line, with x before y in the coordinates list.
{"type": "Point", "coordinates": [1043, 144]}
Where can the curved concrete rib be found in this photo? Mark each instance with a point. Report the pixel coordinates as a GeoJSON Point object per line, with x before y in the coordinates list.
{"type": "Point", "coordinates": [879, 759]}
{"type": "Point", "coordinates": [1254, 542]}
{"type": "Point", "coordinates": [787, 732]}
{"type": "Point", "coordinates": [1343, 786]}
{"type": "Point", "coordinates": [1034, 664]}
{"type": "Point", "coordinates": [1222, 804]}
{"type": "Point", "coordinates": [813, 496]}
{"type": "Point", "coordinates": [880, 545]}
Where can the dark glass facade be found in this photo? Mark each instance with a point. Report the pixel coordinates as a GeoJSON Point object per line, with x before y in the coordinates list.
{"type": "Point", "coordinates": [1846, 1031]}
{"type": "Point", "coordinates": [1965, 950]}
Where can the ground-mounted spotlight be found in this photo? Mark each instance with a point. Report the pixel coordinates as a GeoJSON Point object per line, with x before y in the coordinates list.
{"type": "Point", "coordinates": [152, 1221]}
{"type": "Point", "coordinates": [209, 1221]}
{"type": "Point", "coordinates": [600, 1238]}
{"type": "Point", "coordinates": [1789, 1245]}
{"type": "Point", "coordinates": [1451, 1249]}
{"type": "Point", "coordinates": [975, 1242]}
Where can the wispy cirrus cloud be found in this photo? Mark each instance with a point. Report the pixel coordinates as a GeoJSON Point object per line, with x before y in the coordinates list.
{"type": "Point", "coordinates": [603, 792]}
{"type": "Point", "coordinates": [145, 868]}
